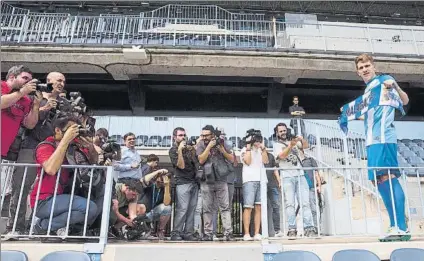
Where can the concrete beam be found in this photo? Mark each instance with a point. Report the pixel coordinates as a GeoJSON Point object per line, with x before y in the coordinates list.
{"type": "Point", "coordinates": [203, 62]}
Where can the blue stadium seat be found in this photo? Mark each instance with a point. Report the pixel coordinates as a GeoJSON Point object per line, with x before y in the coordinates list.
{"type": "Point", "coordinates": [355, 255]}
{"type": "Point", "coordinates": [295, 255]}
{"type": "Point", "coordinates": [13, 255]}
{"type": "Point", "coordinates": [66, 255]}
{"type": "Point", "coordinates": [416, 148]}
{"type": "Point", "coordinates": [408, 153]}
{"type": "Point", "coordinates": [421, 154]}
{"type": "Point", "coordinates": [407, 254]}
{"type": "Point", "coordinates": [413, 160]}
{"type": "Point", "coordinates": [406, 141]}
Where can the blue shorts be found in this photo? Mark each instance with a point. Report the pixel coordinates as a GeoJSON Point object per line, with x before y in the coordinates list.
{"type": "Point", "coordinates": [251, 194]}
{"type": "Point", "coordinates": [382, 155]}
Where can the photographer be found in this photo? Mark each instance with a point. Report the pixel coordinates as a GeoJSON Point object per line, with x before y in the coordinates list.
{"type": "Point", "coordinates": [253, 156]}
{"type": "Point", "coordinates": [16, 106]}
{"type": "Point", "coordinates": [216, 157]}
{"type": "Point", "coordinates": [51, 155]}
{"type": "Point", "coordinates": [183, 158]}
{"type": "Point", "coordinates": [33, 137]}
{"type": "Point", "coordinates": [161, 206]}
{"type": "Point", "coordinates": [286, 152]}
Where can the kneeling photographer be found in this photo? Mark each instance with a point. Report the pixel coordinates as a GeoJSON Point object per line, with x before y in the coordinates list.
{"type": "Point", "coordinates": [51, 154]}
{"type": "Point", "coordinates": [25, 148]}
{"type": "Point", "coordinates": [217, 158]}
{"type": "Point", "coordinates": [253, 156]}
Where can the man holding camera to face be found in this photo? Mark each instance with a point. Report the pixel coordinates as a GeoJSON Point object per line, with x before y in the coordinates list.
{"type": "Point", "coordinates": [216, 156]}
{"type": "Point", "coordinates": [51, 154]}
{"type": "Point", "coordinates": [32, 138]}
{"type": "Point", "coordinates": [286, 152]}
{"type": "Point", "coordinates": [16, 106]}
{"type": "Point", "coordinates": [183, 158]}
{"type": "Point", "coordinates": [253, 156]}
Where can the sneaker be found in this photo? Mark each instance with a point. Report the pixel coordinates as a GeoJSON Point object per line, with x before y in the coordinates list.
{"type": "Point", "coordinates": [61, 232]}
{"type": "Point", "coordinates": [247, 237]}
{"type": "Point", "coordinates": [13, 235]}
{"type": "Point", "coordinates": [176, 237]}
{"type": "Point", "coordinates": [292, 234]}
{"type": "Point", "coordinates": [190, 237]}
{"type": "Point", "coordinates": [207, 237]}
{"type": "Point", "coordinates": [257, 237]}
{"type": "Point", "coordinates": [279, 234]}
{"type": "Point", "coordinates": [310, 232]}
{"type": "Point", "coordinates": [229, 237]}
{"type": "Point", "coordinates": [393, 232]}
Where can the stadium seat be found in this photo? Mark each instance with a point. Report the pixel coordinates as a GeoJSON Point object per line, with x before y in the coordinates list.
{"type": "Point", "coordinates": [421, 153]}
{"type": "Point", "coordinates": [416, 149]}
{"type": "Point", "coordinates": [417, 141]}
{"type": "Point", "coordinates": [295, 255]}
{"type": "Point", "coordinates": [406, 141]}
{"type": "Point", "coordinates": [408, 153]}
{"type": "Point", "coordinates": [407, 254]}
{"type": "Point", "coordinates": [355, 255]}
{"type": "Point", "coordinates": [66, 255]}
{"type": "Point", "coordinates": [13, 255]}
{"type": "Point", "coordinates": [413, 160]}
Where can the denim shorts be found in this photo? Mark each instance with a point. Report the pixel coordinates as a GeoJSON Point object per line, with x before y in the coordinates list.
{"type": "Point", "coordinates": [251, 194]}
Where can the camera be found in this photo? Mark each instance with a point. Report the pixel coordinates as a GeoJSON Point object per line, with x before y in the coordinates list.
{"type": "Point", "coordinates": [111, 150]}
{"type": "Point", "coordinates": [191, 141]}
{"type": "Point", "coordinates": [256, 136]}
{"type": "Point", "coordinates": [219, 140]}
{"type": "Point", "coordinates": [139, 230]}
{"type": "Point", "coordinates": [44, 87]}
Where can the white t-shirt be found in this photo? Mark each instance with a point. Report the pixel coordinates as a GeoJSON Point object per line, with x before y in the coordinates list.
{"type": "Point", "coordinates": [292, 161]}
{"type": "Point", "coordinates": [253, 171]}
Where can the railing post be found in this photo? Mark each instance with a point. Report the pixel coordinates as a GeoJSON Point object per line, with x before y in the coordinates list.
{"type": "Point", "coordinates": [348, 179]}
{"type": "Point", "coordinates": [415, 42]}
{"type": "Point", "coordinates": [24, 27]}
{"type": "Point", "coordinates": [125, 30]}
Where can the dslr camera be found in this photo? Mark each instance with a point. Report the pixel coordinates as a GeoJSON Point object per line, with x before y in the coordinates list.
{"type": "Point", "coordinates": [256, 136]}
{"type": "Point", "coordinates": [219, 140]}
{"type": "Point", "coordinates": [44, 87]}
{"type": "Point", "coordinates": [191, 141]}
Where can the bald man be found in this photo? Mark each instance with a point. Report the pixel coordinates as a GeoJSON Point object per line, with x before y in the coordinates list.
{"type": "Point", "coordinates": [32, 138]}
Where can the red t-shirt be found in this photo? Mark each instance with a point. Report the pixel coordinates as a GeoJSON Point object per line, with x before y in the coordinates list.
{"type": "Point", "coordinates": [11, 118]}
{"type": "Point", "coordinates": [48, 183]}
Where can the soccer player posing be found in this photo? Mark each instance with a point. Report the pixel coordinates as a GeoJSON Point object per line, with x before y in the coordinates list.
{"type": "Point", "coordinates": [381, 144]}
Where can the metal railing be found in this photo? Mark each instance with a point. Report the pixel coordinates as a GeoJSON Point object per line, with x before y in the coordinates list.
{"type": "Point", "coordinates": [48, 215]}
{"type": "Point", "coordinates": [361, 215]}
{"type": "Point", "coordinates": [118, 30]}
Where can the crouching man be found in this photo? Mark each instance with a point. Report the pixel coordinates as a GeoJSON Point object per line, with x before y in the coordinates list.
{"type": "Point", "coordinates": [51, 189]}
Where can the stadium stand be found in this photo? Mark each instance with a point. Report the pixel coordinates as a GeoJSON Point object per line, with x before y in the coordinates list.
{"type": "Point", "coordinates": [209, 26]}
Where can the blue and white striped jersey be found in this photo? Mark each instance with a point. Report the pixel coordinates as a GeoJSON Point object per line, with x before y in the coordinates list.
{"type": "Point", "coordinates": [379, 121]}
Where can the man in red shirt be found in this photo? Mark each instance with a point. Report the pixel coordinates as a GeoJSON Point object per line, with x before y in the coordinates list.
{"type": "Point", "coordinates": [16, 105]}
{"type": "Point", "coordinates": [51, 156]}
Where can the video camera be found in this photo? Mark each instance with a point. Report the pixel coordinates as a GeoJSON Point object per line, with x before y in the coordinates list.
{"type": "Point", "coordinates": [191, 141]}
{"type": "Point", "coordinates": [256, 136]}
{"type": "Point", "coordinates": [139, 230]}
{"type": "Point", "coordinates": [75, 106]}
{"type": "Point", "coordinates": [111, 150]}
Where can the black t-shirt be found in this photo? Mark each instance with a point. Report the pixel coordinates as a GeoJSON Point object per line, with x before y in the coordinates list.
{"type": "Point", "coordinates": [40, 132]}
{"type": "Point", "coordinates": [272, 181]}
{"type": "Point", "coordinates": [188, 174]}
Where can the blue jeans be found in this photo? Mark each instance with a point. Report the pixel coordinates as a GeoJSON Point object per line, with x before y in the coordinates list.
{"type": "Point", "coordinates": [159, 211]}
{"type": "Point", "coordinates": [61, 210]}
{"type": "Point", "coordinates": [274, 203]}
{"type": "Point", "coordinates": [297, 186]}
